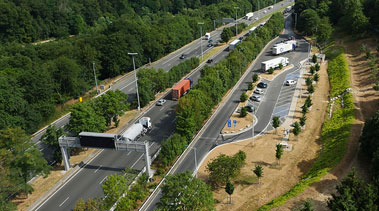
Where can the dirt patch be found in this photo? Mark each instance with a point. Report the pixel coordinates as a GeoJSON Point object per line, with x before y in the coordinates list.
{"type": "Point", "coordinates": [276, 179]}
{"type": "Point", "coordinates": [270, 77]}
{"type": "Point", "coordinates": [366, 101]}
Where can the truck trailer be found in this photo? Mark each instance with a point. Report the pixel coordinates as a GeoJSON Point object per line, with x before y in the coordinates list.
{"type": "Point", "coordinates": [207, 36]}
{"type": "Point", "coordinates": [137, 130]}
{"type": "Point", "coordinates": [249, 16]}
{"type": "Point", "coordinates": [274, 63]}
{"type": "Point", "coordinates": [233, 44]}
{"type": "Point", "coordinates": [284, 47]}
{"type": "Point", "coordinates": [181, 88]}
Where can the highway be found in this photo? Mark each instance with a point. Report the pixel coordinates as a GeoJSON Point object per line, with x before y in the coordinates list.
{"type": "Point", "coordinates": [127, 82]}
{"type": "Point", "coordinates": [87, 181]}
{"type": "Point", "coordinates": [211, 136]}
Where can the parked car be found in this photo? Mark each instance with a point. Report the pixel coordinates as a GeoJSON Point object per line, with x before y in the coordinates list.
{"type": "Point", "coordinates": [182, 56]}
{"type": "Point", "coordinates": [262, 85]}
{"type": "Point", "coordinates": [250, 108]}
{"type": "Point", "coordinates": [210, 44]}
{"type": "Point", "coordinates": [290, 82]}
{"type": "Point", "coordinates": [161, 102]}
{"type": "Point", "coordinates": [258, 91]}
{"type": "Point", "coordinates": [255, 98]}
{"type": "Point", "coordinates": [210, 61]}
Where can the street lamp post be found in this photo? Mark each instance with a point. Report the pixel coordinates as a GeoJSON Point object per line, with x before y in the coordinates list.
{"type": "Point", "coordinates": [201, 39]}
{"type": "Point", "coordinates": [295, 19]}
{"type": "Point", "coordinates": [135, 78]}
{"type": "Point", "coordinates": [236, 20]}
{"type": "Point", "coordinates": [94, 73]}
{"type": "Point", "coordinates": [194, 149]}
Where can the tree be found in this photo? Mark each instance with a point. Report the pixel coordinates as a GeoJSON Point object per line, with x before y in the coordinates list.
{"type": "Point", "coordinates": [308, 102]}
{"type": "Point", "coordinates": [243, 112]}
{"type": "Point", "coordinates": [250, 86]}
{"type": "Point", "coordinates": [21, 157]}
{"type": "Point", "coordinates": [181, 191]}
{"type": "Point", "coordinates": [307, 206]}
{"type": "Point", "coordinates": [113, 187]}
{"type": "Point", "coordinates": [89, 205]}
{"type": "Point", "coordinates": [111, 105]}
{"type": "Point", "coordinates": [302, 120]}
{"type": "Point", "coordinates": [50, 138]}
{"type": "Point", "coordinates": [84, 118]}
{"type": "Point", "coordinates": [258, 171]}
{"type": "Point", "coordinates": [304, 109]}
{"type": "Point", "coordinates": [324, 31]}
{"type": "Point", "coordinates": [312, 70]}
{"type": "Point", "coordinates": [316, 77]}
{"type": "Point", "coordinates": [280, 66]}
{"type": "Point", "coordinates": [308, 21]}
{"type": "Point", "coordinates": [308, 81]}
{"type": "Point", "coordinates": [369, 137]}
{"type": "Point", "coordinates": [271, 70]}
{"type": "Point", "coordinates": [223, 168]}
{"type": "Point", "coordinates": [279, 152]}
{"type": "Point", "coordinates": [297, 129]}
{"type": "Point", "coordinates": [353, 194]}
{"type": "Point", "coordinates": [314, 59]}
{"type": "Point", "coordinates": [229, 188]}
{"type": "Point", "coordinates": [311, 89]}
{"type": "Point", "coordinates": [255, 77]}
{"type": "Point", "coordinates": [243, 97]}
{"type": "Point", "coordinates": [317, 67]}
{"type": "Point", "coordinates": [275, 122]}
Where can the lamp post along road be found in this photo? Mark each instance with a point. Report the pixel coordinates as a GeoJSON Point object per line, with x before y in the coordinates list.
{"type": "Point", "coordinates": [236, 20]}
{"type": "Point", "coordinates": [135, 78]}
{"type": "Point", "coordinates": [201, 39]}
{"type": "Point", "coordinates": [94, 73]}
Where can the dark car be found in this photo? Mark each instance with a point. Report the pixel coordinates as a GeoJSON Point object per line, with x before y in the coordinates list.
{"type": "Point", "coordinates": [250, 108]}
{"type": "Point", "coordinates": [262, 85]}
{"type": "Point", "coordinates": [210, 61]}
{"type": "Point", "coordinates": [182, 56]}
{"type": "Point", "coordinates": [210, 44]}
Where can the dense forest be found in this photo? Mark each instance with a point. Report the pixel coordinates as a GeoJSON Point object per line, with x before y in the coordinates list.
{"type": "Point", "coordinates": [35, 78]}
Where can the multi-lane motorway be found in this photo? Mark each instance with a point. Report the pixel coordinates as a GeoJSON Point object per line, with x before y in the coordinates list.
{"type": "Point", "coordinates": [211, 137]}
{"type": "Point", "coordinates": [87, 181]}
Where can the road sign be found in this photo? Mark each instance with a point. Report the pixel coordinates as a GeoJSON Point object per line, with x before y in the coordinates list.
{"type": "Point", "coordinates": [235, 123]}
{"type": "Point", "coordinates": [229, 123]}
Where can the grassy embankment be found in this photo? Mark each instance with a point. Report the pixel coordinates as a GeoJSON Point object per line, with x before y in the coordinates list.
{"type": "Point", "coordinates": [335, 131]}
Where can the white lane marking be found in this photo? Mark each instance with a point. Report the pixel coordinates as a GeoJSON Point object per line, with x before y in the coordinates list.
{"type": "Point", "coordinates": [98, 168]}
{"type": "Point", "coordinates": [68, 180]}
{"type": "Point", "coordinates": [102, 180]}
{"type": "Point", "coordinates": [64, 202]}
{"type": "Point", "coordinates": [129, 153]}
{"type": "Point", "coordinates": [161, 108]}
{"type": "Point", "coordinates": [133, 82]}
{"type": "Point", "coordinates": [129, 90]}
{"type": "Point", "coordinates": [136, 161]}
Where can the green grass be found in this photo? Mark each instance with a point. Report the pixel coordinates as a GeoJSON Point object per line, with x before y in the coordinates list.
{"type": "Point", "coordinates": [334, 135]}
{"type": "Point", "coordinates": [245, 179]}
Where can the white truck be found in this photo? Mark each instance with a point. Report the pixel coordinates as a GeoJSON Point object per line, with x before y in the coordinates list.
{"type": "Point", "coordinates": [271, 7]}
{"type": "Point", "coordinates": [207, 36]}
{"type": "Point", "coordinates": [274, 63]}
{"type": "Point", "coordinates": [284, 47]}
{"type": "Point", "coordinates": [137, 130]}
{"type": "Point", "coordinates": [233, 44]}
{"type": "Point", "coordinates": [249, 16]}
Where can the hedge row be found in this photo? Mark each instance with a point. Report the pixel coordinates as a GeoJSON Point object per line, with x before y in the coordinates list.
{"type": "Point", "coordinates": [195, 107]}
{"type": "Point", "coordinates": [334, 135]}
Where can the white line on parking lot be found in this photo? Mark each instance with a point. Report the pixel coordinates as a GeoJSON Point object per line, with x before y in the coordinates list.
{"type": "Point", "coordinates": [161, 108]}
{"type": "Point", "coordinates": [98, 168]}
{"type": "Point", "coordinates": [64, 202]}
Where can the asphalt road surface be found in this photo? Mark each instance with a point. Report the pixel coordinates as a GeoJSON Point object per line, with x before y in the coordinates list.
{"type": "Point", "coordinates": [87, 181]}
{"type": "Point", "coordinates": [212, 137]}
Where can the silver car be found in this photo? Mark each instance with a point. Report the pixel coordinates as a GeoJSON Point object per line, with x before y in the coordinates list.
{"type": "Point", "coordinates": [256, 98]}
{"type": "Point", "coordinates": [161, 102]}
{"type": "Point", "coordinates": [258, 91]}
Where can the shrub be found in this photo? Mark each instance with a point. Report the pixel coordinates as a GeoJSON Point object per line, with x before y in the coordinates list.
{"type": "Point", "coordinates": [308, 102]}
{"type": "Point", "coordinates": [312, 70]}
{"type": "Point", "coordinates": [317, 66]}
{"type": "Point", "coordinates": [304, 109]}
{"type": "Point", "coordinates": [271, 70]}
{"type": "Point", "coordinates": [368, 54]}
{"type": "Point", "coordinates": [308, 81]}
{"type": "Point", "coordinates": [255, 77]}
{"type": "Point", "coordinates": [280, 66]}
{"type": "Point", "coordinates": [243, 112]}
{"type": "Point", "coordinates": [243, 97]}
{"type": "Point", "coordinates": [297, 129]}
{"type": "Point", "coordinates": [311, 89]}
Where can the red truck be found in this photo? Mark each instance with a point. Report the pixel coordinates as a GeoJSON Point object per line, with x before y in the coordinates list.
{"type": "Point", "coordinates": [181, 88]}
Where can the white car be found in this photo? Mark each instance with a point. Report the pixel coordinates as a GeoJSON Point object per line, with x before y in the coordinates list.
{"type": "Point", "coordinates": [264, 12]}
{"type": "Point", "coordinates": [255, 98]}
{"type": "Point", "coordinates": [290, 82]}
{"type": "Point", "coordinates": [161, 102]}
{"type": "Point", "coordinates": [258, 91]}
